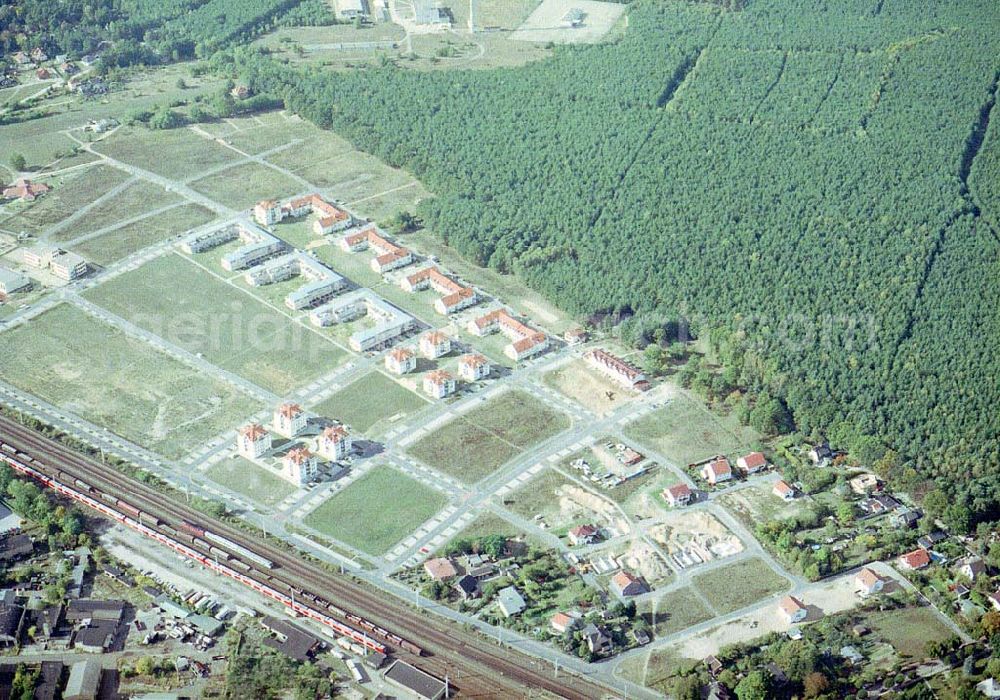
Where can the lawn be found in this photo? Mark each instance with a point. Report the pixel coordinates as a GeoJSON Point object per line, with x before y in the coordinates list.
{"type": "Point", "coordinates": [371, 516]}
{"type": "Point", "coordinates": [244, 185]}
{"type": "Point", "coordinates": [476, 444]}
{"type": "Point", "coordinates": [739, 585]}
{"type": "Point", "coordinates": [755, 505]}
{"type": "Point", "coordinates": [135, 200]}
{"type": "Point", "coordinates": [69, 193]}
{"type": "Point", "coordinates": [167, 296]}
{"type": "Point", "coordinates": [124, 241]}
{"type": "Point", "coordinates": [538, 496]}
{"type": "Point", "coordinates": [85, 367]}
{"type": "Point", "coordinates": [253, 481]}
{"type": "Point", "coordinates": [179, 154]}
{"type": "Point", "coordinates": [908, 629]}
{"type": "Point", "coordinates": [371, 404]}
{"type": "Point", "coordinates": [675, 612]}
{"type": "Point", "coordinates": [686, 431]}
{"type": "Point", "coordinates": [588, 387]}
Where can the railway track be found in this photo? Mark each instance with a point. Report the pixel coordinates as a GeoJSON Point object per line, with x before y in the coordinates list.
{"type": "Point", "coordinates": [475, 666]}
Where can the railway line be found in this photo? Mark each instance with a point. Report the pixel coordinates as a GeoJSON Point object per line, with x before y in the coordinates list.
{"type": "Point", "coordinates": [475, 666]}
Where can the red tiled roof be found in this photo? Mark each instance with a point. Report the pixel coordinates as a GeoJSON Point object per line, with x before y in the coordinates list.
{"type": "Point", "coordinates": [755, 460]}
{"type": "Point", "coordinates": [867, 577]}
{"type": "Point", "coordinates": [335, 432]}
{"type": "Point", "coordinates": [615, 364]}
{"type": "Point", "coordinates": [289, 410]}
{"type": "Point", "coordinates": [440, 568]}
{"type": "Point", "coordinates": [473, 360]}
{"type": "Point", "coordinates": [439, 376]}
{"type": "Point", "coordinates": [253, 431]}
{"type": "Point", "coordinates": [298, 455]}
{"type": "Point", "coordinates": [401, 354]}
{"type": "Point", "coordinates": [782, 488]}
{"type": "Point", "coordinates": [917, 559]}
{"type": "Point", "coordinates": [790, 605]}
{"type": "Point", "coordinates": [678, 491]}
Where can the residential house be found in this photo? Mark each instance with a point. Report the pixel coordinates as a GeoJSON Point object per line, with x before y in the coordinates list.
{"type": "Point", "coordinates": [867, 582]}
{"type": "Point", "coordinates": [14, 546]}
{"type": "Point", "coordinates": [561, 622]}
{"type": "Point", "coordinates": [990, 688]}
{"type": "Point", "coordinates": [473, 367]}
{"type": "Point", "coordinates": [440, 569]}
{"type": "Point", "coordinates": [43, 74]}
{"type": "Point", "coordinates": [929, 540]}
{"type": "Point", "coordinates": [510, 601]}
{"type": "Point", "coordinates": [792, 609]}
{"type": "Point", "coordinates": [677, 495]}
{"type": "Point", "coordinates": [625, 373]}
{"type": "Point", "coordinates": [299, 466]}
{"type": "Point", "coordinates": [906, 518]}
{"type": "Point", "coordinates": [468, 587]}
{"type": "Point", "coordinates": [972, 567]}
{"type": "Point", "coordinates": [25, 190]}
{"type": "Point", "coordinates": [388, 255]}
{"type": "Point", "coordinates": [84, 681]}
{"type": "Point", "coordinates": [68, 266]}
{"type": "Point", "coordinates": [434, 344]}
{"type": "Point", "coordinates": [717, 471]}
{"type": "Point", "coordinates": [252, 441]}
{"type": "Point", "coordinates": [597, 638]}
{"type": "Point", "coordinates": [10, 624]}
{"type": "Point", "coordinates": [21, 58]}
{"type": "Point", "coordinates": [38, 55]}
{"type": "Point", "coordinates": [11, 281]}
{"type": "Point", "coordinates": [915, 560]}
{"type": "Point", "coordinates": [820, 454]}
{"type": "Point", "coordinates": [625, 584]}
{"type": "Point", "coordinates": [752, 463]}
{"type": "Point", "coordinates": [390, 322]}
{"type": "Point", "coordinates": [68, 68]}
{"type": "Point", "coordinates": [865, 484]}
{"type": "Point", "coordinates": [334, 443]}
{"type": "Point", "coordinates": [783, 490]}
{"type": "Point", "coordinates": [401, 361]}
{"type": "Point", "coordinates": [454, 296]}
{"type": "Point", "coordinates": [439, 384]}
{"type": "Point", "coordinates": [289, 420]}
{"type": "Point", "coordinates": [525, 341]}
{"type": "Point", "coordinates": [240, 92]}
{"type": "Point", "coordinates": [575, 336]}
{"type": "Point", "coordinates": [583, 534]}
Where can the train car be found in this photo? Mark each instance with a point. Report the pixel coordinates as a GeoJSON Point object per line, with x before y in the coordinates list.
{"type": "Point", "coordinates": [239, 564]}
{"type": "Point", "coordinates": [149, 520]}
{"type": "Point", "coordinates": [109, 497]}
{"type": "Point", "coordinates": [7, 448]}
{"type": "Point", "coordinates": [200, 543]}
{"type": "Point", "coordinates": [191, 529]}
{"type": "Point", "coordinates": [128, 508]}
{"type": "Point", "coordinates": [411, 647]}
{"type": "Point", "coordinates": [239, 549]}
{"type": "Point", "coordinates": [220, 553]}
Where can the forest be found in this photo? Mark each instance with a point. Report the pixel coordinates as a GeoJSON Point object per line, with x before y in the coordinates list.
{"type": "Point", "coordinates": [814, 184]}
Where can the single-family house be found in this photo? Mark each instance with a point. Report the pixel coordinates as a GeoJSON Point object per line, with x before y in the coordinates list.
{"type": "Point", "coordinates": [677, 495]}
{"type": "Point", "coordinates": [252, 441]}
{"type": "Point", "coordinates": [865, 484]}
{"type": "Point", "coordinates": [510, 601]}
{"type": "Point", "coordinates": [868, 582]}
{"type": "Point", "coordinates": [820, 454]}
{"type": "Point", "coordinates": [972, 567]}
{"type": "Point", "coordinates": [289, 420]}
{"type": "Point", "coordinates": [401, 361]}
{"type": "Point", "coordinates": [994, 599]}
{"type": "Point", "coordinates": [752, 463]}
{"type": "Point", "coordinates": [440, 569]}
{"type": "Point", "coordinates": [929, 540]}
{"type": "Point", "coordinates": [598, 639]}
{"type": "Point", "coordinates": [626, 584]}
{"type": "Point", "coordinates": [783, 490]}
{"type": "Point", "coordinates": [583, 534]}
{"type": "Point", "coordinates": [915, 560]}
{"type": "Point", "coordinates": [575, 336]}
{"type": "Point", "coordinates": [717, 471]}
{"type": "Point", "coordinates": [561, 622]}
{"type": "Point", "coordinates": [792, 609]}
{"type": "Point", "coordinates": [25, 190]}
{"type": "Point", "coordinates": [468, 587]}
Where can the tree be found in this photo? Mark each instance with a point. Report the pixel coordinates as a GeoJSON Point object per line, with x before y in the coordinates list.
{"type": "Point", "coordinates": [755, 686]}
{"type": "Point", "coordinates": [845, 513]}
{"type": "Point", "coordinates": [815, 684]}
{"type": "Point", "coordinates": [18, 162]}
{"type": "Point", "coordinates": [687, 688]}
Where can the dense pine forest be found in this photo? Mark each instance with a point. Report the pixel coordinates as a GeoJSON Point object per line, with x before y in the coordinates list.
{"type": "Point", "coordinates": [814, 183]}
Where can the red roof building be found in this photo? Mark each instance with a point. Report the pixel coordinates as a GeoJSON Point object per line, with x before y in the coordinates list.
{"type": "Point", "coordinates": [915, 560]}
{"type": "Point", "coordinates": [677, 495]}
{"type": "Point", "coordinates": [752, 463]}
{"type": "Point", "coordinates": [25, 190]}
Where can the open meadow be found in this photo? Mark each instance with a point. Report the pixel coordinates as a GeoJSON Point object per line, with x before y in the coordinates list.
{"type": "Point", "coordinates": [378, 510]}
{"type": "Point", "coordinates": [235, 331]}
{"type": "Point", "coordinates": [138, 198]}
{"type": "Point", "coordinates": [85, 367]}
{"type": "Point", "coordinates": [737, 585]}
{"type": "Point", "coordinates": [179, 154]}
{"type": "Point", "coordinates": [371, 404]}
{"type": "Point", "coordinates": [129, 238]}
{"type": "Point", "coordinates": [246, 478]}
{"type": "Point", "coordinates": [588, 387]}
{"type": "Point", "coordinates": [477, 443]}
{"type": "Point", "coordinates": [242, 186]}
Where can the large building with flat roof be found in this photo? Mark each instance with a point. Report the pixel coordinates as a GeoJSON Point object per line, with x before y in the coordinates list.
{"type": "Point", "coordinates": [12, 281]}
{"type": "Point", "coordinates": [390, 322]}
{"type": "Point", "coordinates": [415, 681]}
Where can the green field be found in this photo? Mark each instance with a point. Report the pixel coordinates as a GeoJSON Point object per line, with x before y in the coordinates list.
{"type": "Point", "coordinates": [675, 612]}
{"type": "Point", "coordinates": [175, 153]}
{"type": "Point", "coordinates": [244, 185]}
{"type": "Point", "coordinates": [361, 516]}
{"type": "Point", "coordinates": [908, 630]}
{"type": "Point", "coordinates": [256, 483]}
{"type": "Point", "coordinates": [85, 367]}
{"type": "Point", "coordinates": [121, 242]}
{"type": "Point", "coordinates": [371, 404]}
{"type": "Point", "coordinates": [737, 585]}
{"type": "Point", "coordinates": [474, 445]}
{"type": "Point", "coordinates": [686, 431]}
{"type": "Point", "coordinates": [69, 193]}
{"type": "Point", "coordinates": [135, 200]}
{"type": "Point", "coordinates": [234, 331]}
{"type": "Point", "coordinates": [538, 496]}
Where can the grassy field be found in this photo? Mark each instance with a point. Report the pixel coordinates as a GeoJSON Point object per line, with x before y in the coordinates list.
{"type": "Point", "coordinates": [234, 331]}
{"type": "Point", "coordinates": [69, 193]}
{"type": "Point", "coordinates": [908, 630]}
{"type": "Point", "coordinates": [83, 366]}
{"type": "Point", "coordinates": [136, 199]}
{"type": "Point", "coordinates": [538, 496]}
{"type": "Point", "coordinates": [686, 431]}
{"type": "Point", "coordinates": [254, 482]}
{"type": "Point", "coordinates": [588, 387]}
{"type": "Point", "coordinates": [756, 505]}
{"type": "Point", "coordinates": [179, 154]}
{"type": "Point", "coordinates": [506, 14]}
{"type": "Point", "coordinates": [361, 516]}
{"type": "Point", "coordinates": [371, 404]}
{"type": "Point", "coordinates": [244, 185]}
{"type": "Point", "coordinates": [130, 238]}
{"type": "Point", "coordinates": [474, 445]}
{"type": "Point", "coordinates": [675, 612]}
{"type": "Point", "coordinates": [738, 585]}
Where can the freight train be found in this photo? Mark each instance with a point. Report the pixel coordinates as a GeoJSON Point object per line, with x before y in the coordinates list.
{"type": "Point", "coordinates": [186, 535]}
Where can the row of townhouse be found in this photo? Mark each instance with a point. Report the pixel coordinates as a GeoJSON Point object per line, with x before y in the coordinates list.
{"type": "Point", "coordinates": [454, 296]}
{"type": "Point", "coordinates": [388, 255]}
{"type": "Point", "coordinates": [525, 340]}
{"type": "Point", "coordinates": [329, 219]}
{"type": "Point", "coordinates": [390, 322]}
{"type": "Point", "coordinates": [625, 373]}
{"type": "Point", "coordinates": [323, 283]}
{"type": "Point", "coordinates": [61, 263]}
